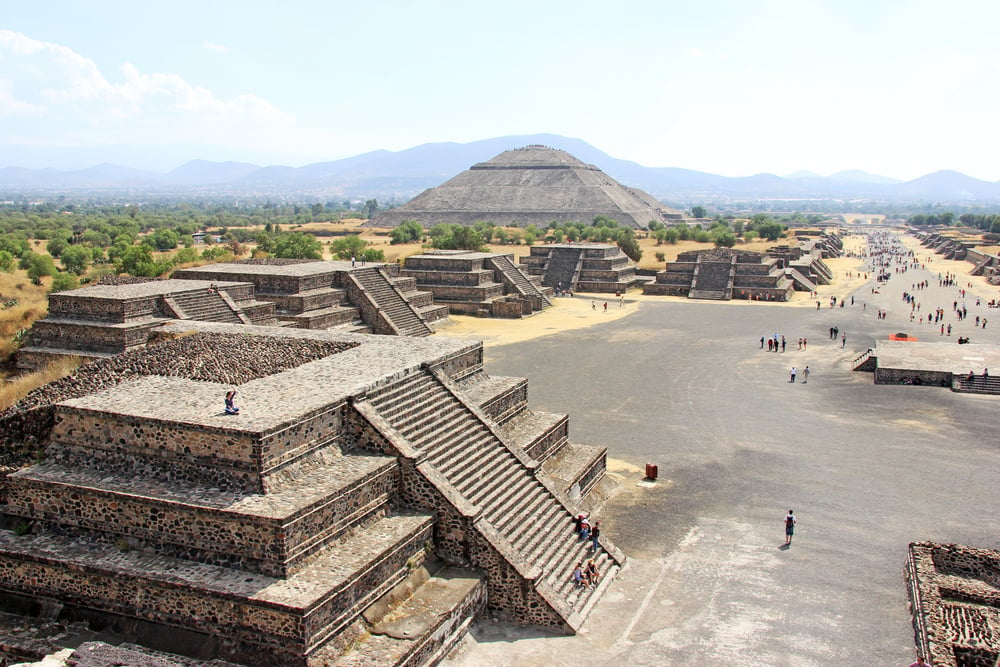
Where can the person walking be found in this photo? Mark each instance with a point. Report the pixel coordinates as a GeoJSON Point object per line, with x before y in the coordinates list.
{"type": "Point", "coordinates": [793, 372]}
{"type": "Point", "coordinates": [843, 340]}
{"type": "Point", "coordinates": [789, 526]}
{"type": "Point", "coordinates": [595, 533]}
{"type": "Point", "coordinates": [805, 375]}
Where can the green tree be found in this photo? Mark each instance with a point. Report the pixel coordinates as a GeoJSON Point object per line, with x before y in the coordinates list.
{"type": "Point", "coordinates": [407, 232]}
{"type": "Point", "coordinates": [63, 282]}
{"type": "Point", "coordinates": [371, 207]}
{"type": "Point", "coordinates": [163, 239]}
{"type": "Point", "coordinates": [296, 245]}
{"type": "Point", "coordinates": [724, 239]}
{"type": "Point", "coordinates": [76, 258]}
{"type": "Point", "coordinates": [671, 235]}
{"type": "Point", "coordinates": [38, 266]}
{"type": "Point", "coordinates": [348, 246]}
{"type": "Point", "coordinates": [772, 231]}
{"type": "Point", "coordinates": [7, 261]}
{"type": "Point", "coordinates": [697, 211]}
{"type": "Point", "coordinates": [56, 245]}
{"type": "Point", "coordinates": [629, 245]}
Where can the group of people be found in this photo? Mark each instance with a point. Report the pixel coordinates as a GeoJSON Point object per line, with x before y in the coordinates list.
{"type": "Point", "coordinates": [585, 576]}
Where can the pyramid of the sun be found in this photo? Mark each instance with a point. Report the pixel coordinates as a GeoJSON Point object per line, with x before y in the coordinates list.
{"type": "Point", "coordinates": [528, 185]}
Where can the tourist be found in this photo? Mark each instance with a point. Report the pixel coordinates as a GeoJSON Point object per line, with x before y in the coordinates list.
{"type": "Point", "coordinates": [595, 533]}
{"type": "Point", "coordinates": [592, 574]}
{"type": "Point", "coordinates": [986, 374]}
{"type": "Point", "coordinates": [605, 306]}
{"type": "Point", "coordinates": [789, 526]}
{"type": "Point", "coordinates": [231, 408]}
{"type": "Point", "coordinates": [920, 662]}
{"type": "Point", "coordinates": [805, 375]}
{"type": "Point", "coordinates": [578, 575]}
{"type": "Point", "coordinates": [762, 339]}
{"type": "Point", "coordinates": [584, 529]}
{"type": "Point", "coordinates": [843, 340]}
{"type": "Point", "coordinates": [593, 305]}
{"type": "Point", "coordinates": [793, 372]}
{"type": "Point", "coordinates": [352, 261]}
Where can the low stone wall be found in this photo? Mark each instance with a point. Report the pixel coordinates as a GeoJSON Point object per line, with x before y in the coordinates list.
{"type": "Point", "coordinates": [510, 307]}
{"type": "Point", "coordinates": [915, 377]}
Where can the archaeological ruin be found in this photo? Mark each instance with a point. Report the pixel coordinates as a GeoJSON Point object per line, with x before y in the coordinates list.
{"type": "Point", "coordinates": [729, 273]}
{"type": "Point", "coordinates": [476, 283]}
{"type": "Point", "coordinates": [954, 603]}
{"type": "Point", "coordinates": [581, 267]}
{"type": "Point", "coordinates": [531, 185]}
{"type": "Point", "coordinates": [373, 496]}
{"type": "Point", "coordinates": [103, 320]}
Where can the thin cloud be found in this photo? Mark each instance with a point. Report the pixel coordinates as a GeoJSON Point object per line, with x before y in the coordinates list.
{"type": "Point", "coordinates": [212, 46]}
{"type": "Point", "coordinates": [69, 88]}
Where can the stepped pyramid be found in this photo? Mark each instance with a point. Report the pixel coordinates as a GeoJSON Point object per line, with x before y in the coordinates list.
{"type": "Point", "coordinates": [529, 185]}
{"type": "Point", "coordinates": [366, 476]}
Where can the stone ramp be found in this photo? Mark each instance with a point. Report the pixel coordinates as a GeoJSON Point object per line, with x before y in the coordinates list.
{"type": "Point", "coordinates": [517, 280]}
{"type": "Point", "coordinates": [524, 513]}
{"type": "Point", "coordinates": [390, 304]}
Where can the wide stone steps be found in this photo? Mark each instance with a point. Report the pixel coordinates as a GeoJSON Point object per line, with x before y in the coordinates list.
{"type": "Point", "coordinates": [562, 267]}
{"type": "Point", "coordinates": [472, 458]}
{"type": "Point", "coordinates": [207, 306]}
{"type": "Point", "coordinates": [977, 385]}
{"type": "Point", "coordinates": [526, 287]}
{"type": "Point", "coordinates": [393, 306]}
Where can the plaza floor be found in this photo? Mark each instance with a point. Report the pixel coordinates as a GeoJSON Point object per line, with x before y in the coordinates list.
{"type": "Point", "coordinates": [866, 468]}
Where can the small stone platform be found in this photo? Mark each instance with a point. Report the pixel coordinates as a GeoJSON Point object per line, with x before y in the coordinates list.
{"type": "Point", "coordinates": [937, 364]}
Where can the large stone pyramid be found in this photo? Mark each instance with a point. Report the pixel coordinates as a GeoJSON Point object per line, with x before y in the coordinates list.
{"type": "Point", "coordinates": [528, 185]}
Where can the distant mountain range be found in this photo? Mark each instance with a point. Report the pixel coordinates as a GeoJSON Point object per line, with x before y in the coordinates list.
{"type": "Point", "coordinates": [399, 176]}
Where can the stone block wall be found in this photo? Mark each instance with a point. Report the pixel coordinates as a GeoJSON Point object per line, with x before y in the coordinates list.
{"type": "Point", "coordinates": [904, 376]}
{"type": "Point", "coordinates": [954, 603]}
{"type": "Point", "coordinates": [182, 453]}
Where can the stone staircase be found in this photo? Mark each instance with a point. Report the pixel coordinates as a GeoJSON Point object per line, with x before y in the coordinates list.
{"type": "Point", "coordinates": [390, 304]}
{"type": "Point", "coordinates": [517, 507]}
{"type": "Point", "coordinates": [513, 276]}
{"type": "Point", "coordinates": [802, 283]}
{"type": "Point", "coordinates": [203, 305]}
{"type": "Point", "coordinates": [977, 385]}
{"type": "Point", "coordinates": [712, 280]}
{"type": "Point", "coordinates": [866, 361]}
{"type": "Point", "coordinates": [563, 268]}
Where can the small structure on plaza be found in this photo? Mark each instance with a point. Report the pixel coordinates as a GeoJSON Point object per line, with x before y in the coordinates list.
{"type": "Point", "coordinates": [581, 267]}
{"type": "Point", "coordinates": [531, 185]}
{"type": "Point", "coordinates": [954, 603]}
{"type": "Point", "coordinates": [476, 283]}
{"type": "Point", "coordinates": [723, 274]}
{"type": "Point", "coordinates": [373, 495]}
{"type": "Point", "coordinates": [899, 360]}
{"type": "Point", "coordinates": [103, 320]}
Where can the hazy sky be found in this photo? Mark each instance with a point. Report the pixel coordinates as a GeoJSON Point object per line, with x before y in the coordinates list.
{"type": "Point", "coordinates": [897, 88]}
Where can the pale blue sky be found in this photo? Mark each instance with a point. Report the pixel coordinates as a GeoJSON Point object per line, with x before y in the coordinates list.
{"type": "Point", "coordinates": [894, 88]}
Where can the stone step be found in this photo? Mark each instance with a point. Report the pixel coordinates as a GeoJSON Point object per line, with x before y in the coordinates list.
{"type": "Point", "coordinates": [257, 614]}
{"type": "Point", "coordinates": [208, 524]}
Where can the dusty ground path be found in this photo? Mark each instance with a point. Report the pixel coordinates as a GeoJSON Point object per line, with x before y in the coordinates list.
{"type": "Point", "coordinates": [867, 469]}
